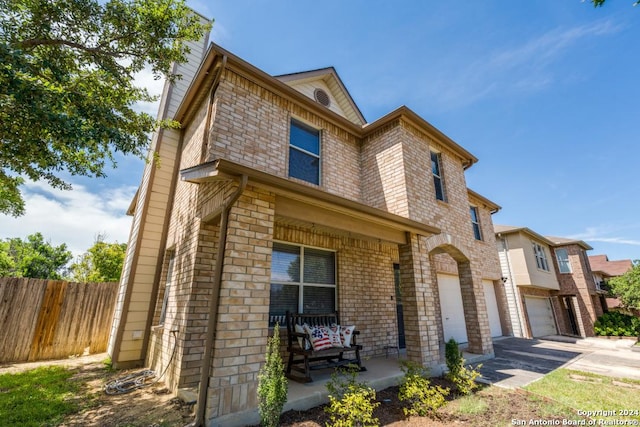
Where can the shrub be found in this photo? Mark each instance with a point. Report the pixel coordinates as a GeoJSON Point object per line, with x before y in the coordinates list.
{"type": "Point", "coordinates": [463, 377]}
{"type": "Point", "coordinates": [272, 383]}
{"type": "Point", "coordinates": [351, 403]}
{"type": "Point", "coordinates": [614, 323]}
{"type": "Point", "coordinates": [423, 398]}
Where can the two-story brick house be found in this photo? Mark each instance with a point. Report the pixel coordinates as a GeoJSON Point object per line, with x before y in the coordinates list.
{"type": "Point", "coordinates": [277, 195]}
{"type": "Point", "coordinates": [549, 285]}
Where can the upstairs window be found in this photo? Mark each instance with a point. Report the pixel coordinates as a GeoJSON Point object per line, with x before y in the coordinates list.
{"type": "Point", "coordinates": [475, 223]}
{"type": "Point", "coordinates": [541, 257]}
{"type": "Point", "coordinates": [304, 152]}
{"type": "Point", "coordinates": [438, 179]}
{"type": "Point", "coordinates": [563, 260]}
{"type": "Point", "coordinates": [303, 280]}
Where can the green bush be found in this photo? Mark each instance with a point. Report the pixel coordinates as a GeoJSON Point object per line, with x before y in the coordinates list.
{"type": "Point", "coordinates": [616, 324]}
{"type": "Point", "coordinates": [272, 383]}
{"type": "Point", "coordinates": [463, 377]}
{"type": "Point", "coordinates": [351, 404]}
{"type": "Point", "coordinates": [423, 398]}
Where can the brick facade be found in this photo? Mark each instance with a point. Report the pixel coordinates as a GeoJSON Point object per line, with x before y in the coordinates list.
{"type": "Point", "coordinates": [382, 169]}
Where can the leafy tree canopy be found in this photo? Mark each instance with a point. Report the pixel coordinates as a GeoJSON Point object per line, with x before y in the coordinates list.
{"type": "Point", "coordinates": [33, 258]}
{"type": "Point", "coordinates": [627, 287]}
{"type": "Point", "coordinates": [101, 263]}
{"type": "Point", "coordinates": [67, 87]}
{"type": "Point", "coordinates": [599, 3]}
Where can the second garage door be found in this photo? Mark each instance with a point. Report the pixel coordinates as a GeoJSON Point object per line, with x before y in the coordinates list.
{"type": "Point", "coordinates": [453, 323]}
{"type": "Point", "coordinates": [540, 316]}
{"type": "Point", "coordinates": [492, 308]}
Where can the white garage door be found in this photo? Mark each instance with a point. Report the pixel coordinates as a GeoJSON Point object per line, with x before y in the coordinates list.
{"type": "Point", "coordinates": [451, 308]}
{"type": "Point", "coordinates": [492, 308]}
{"type": "Point", "coordinates": [540, 316]}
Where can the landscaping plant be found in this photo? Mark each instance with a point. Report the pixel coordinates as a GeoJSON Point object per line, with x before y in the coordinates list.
{"type": "Point", "coordinates": [272, 383]}
{"type": "Point", "coordinates": [423, 398]}
{"type": "Point", "coordinates": [616, 324]}
{"type": "Point", "coordinates": [463, 377]}
{"type": "Point", "coordinates": [351, 404]}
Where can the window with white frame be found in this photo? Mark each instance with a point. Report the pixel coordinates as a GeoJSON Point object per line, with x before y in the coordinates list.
{"type": "Point", "coordinates": [563, 260]}
{"type": "Point", "coordinates": [475, 223]}
{"type": "Point", "coordinates": [438, 179]}
{"type": "Point", "coordinates": [303, 279]}
{"type": "Point", "coordinates": [304, 152]}
{"type": "Point", "coordinates": [167, 287]}
{"type": "Point", "coordinates": [541, 257]}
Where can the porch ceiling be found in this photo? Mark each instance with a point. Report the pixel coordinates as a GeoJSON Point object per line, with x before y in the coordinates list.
{"type": "Point", "coordinates": [314, 207]}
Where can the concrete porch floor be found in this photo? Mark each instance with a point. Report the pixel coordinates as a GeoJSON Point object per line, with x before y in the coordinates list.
{"type": "Point", "coordinates": [381, 373]}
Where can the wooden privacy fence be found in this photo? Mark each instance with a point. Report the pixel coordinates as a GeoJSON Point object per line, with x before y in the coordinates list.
{"type": "Point", "coordinates": [52, 319]}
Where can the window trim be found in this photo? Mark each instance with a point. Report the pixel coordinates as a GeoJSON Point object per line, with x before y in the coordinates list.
{"type": "Point", "coordinates": [475, 225]}
{"type": "Point", "coordinates": [294, 121]}
{"type": "Point", "coordinates": [168, 283]}
{"type": "Point", "coordinates": [301, 284]}
{"type": "Point", "coordinates": [566, 262]}
{"type": "Point", "coordinates": [540, 256]}
{"type": "Point", "coordinates": [438, 179]}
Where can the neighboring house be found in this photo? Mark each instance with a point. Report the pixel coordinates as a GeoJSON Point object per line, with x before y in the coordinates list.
{"type": "Point", "coordinates": [275, 194]}
{"type": "Point", "coordinates": [550, 289]}
{"type": "Point", "coordinates": [581, 299]}
{"type": "Point", "coordinates": [603, 270]}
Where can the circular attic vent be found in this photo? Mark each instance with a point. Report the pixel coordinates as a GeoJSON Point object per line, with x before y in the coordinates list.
{"type": "Point", "coordinates": [322, 97]}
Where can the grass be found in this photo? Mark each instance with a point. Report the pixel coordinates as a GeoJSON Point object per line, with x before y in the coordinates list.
{"type": "Point", "coordinates": [590, 392]}
{"type": "Point", "coordinates": [39, 397]}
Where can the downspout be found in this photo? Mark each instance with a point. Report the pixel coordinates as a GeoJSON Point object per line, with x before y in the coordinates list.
{"type": "Point", "coordinates": [505, 247]}
{"type": "Point", "coordinates": [213, 304]}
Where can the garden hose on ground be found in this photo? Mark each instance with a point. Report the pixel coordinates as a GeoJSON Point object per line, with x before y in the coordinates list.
{"type": "Point", "coordinates": [132, 382]}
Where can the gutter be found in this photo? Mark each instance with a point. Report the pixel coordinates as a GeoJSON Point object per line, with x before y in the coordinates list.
{"type": "Point", "coordinates": [213, 304]}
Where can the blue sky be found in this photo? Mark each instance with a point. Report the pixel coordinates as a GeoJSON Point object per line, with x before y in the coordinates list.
{"type": "Point", "coordinates": [545, 93]}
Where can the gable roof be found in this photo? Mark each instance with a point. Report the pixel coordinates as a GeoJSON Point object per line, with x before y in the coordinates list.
{"type": "Point", "coordinates": [217, 57]}
{"type": "Point", "coordinates": [511, 229]}
{"type": "Point", "coordinates": [563, 241]}
{"type": "Point", "coordinates": [307, 81]}
{"type": "Point", "coordinates": [601, 264]}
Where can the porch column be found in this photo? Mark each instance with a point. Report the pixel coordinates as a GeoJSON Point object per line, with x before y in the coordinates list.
{"type": "Point", "coordinates": [475, 310]}
{"type": "Point", "coordinates": [418, 298]}
{"type": "Point", "coordinates": [242, 328]}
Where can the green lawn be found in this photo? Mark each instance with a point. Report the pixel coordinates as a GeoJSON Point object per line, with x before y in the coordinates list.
{"type": "Point", "coordinates": [589, 392]}
{"type": "Point", "coordinates": [40, 397]}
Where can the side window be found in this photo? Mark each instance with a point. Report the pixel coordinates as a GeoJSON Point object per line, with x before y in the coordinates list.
{"type": "Point", "coordinates": [563, 260]}
{"type": "Point", "coordinates": [304, 152]}
{"type": "Point", "coordinates": [475, 223]}
{"type": "Point", "coordinates": [541, 257]}
{"type": "Point", "coordinates": [438, 179]}
{"type": "Point", "coordinates": [167, 287]}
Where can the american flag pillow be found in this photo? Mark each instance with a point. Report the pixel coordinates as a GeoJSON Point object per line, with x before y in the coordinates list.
{"type": "Point", "coordinates": [319, 337]}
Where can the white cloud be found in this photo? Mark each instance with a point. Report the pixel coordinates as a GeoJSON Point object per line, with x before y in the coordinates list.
{"type": "Point", "coordinates": [146, 79]}
{"type": "Point", "coordinates": [605, 234]}
{"type": "Point", "coordinates": [523, 68]}
{"type": "Point", "coordinates": [73, 217]}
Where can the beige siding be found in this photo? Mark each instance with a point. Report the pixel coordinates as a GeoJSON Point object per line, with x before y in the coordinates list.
{"type": "Point", "coordinates": [308, 88]}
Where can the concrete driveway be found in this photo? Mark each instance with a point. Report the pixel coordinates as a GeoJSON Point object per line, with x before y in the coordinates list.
{"type": "Point", "coordinates": [519, 361]}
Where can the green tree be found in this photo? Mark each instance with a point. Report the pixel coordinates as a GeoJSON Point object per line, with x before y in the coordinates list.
{"type": "Point", "coordinates": [33, 257]}
{"type": "Point", "coordinates": [599, 3]}
{"type": "Point", "coordinates": [627, 287]}
{"type": "Point", "coordinates": [101, 263]}
{"type": "Point", "coordinates": [67, 89]}
{"type": "Point", "coordinates": [272, 384]}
